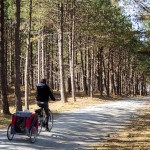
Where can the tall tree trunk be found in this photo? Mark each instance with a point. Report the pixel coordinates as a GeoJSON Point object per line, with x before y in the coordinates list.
{"type": "Point", "coordinates": [100, 70]}
{"type": "Point", "coordinates": [26, 75]}
{"type": "Point", "coordinates": [113, 87]}
{"type": "Point", "coordinates": [47, 62]}
{"type": "Point", "coordinates": [108, 74]}
{"type": "Point", "coordinates": [69, 77]}
{"type": "Point", "coordinates": [17, 58]}
{"type": "Point", "coordinates": [88, 70]}
{"type": "Point", "coordinates": [27, 57]}
{"type": "Point", "coordinates": [120, 80]}
{"type": "Point", "coordinates": [71, 49]}
{"type": "Point", "coordinates": [12, 53]}
{"type": "Point", "coordinates": [5, 105]}
{"type": "Point", "coordinates": [137, 83]}
{"type": "Point", "coordinates": [60, 49]}
{"type": "Point", "coordinates": [105, 74]}
{"type": "Point", "coordinates": [39, 50]}
{"type": "Point", "coordinates": [31, 65]}
{"type": "Point", "coordinates": [92, 73]}
{"type": "Point", "coordinates": [43, 56]}
{"type": "Point", "coordinates": [52, 64]}
{"type": "Point", "coordinates": [83, 73]}
{"type": "Point", "coordinates": [6, 52]}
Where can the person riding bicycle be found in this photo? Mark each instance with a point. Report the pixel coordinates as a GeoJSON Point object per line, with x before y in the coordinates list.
{"type": "Point", "coordinates": [42, 95]}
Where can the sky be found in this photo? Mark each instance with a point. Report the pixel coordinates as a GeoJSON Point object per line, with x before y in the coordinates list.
{"type": "Point", "coordinates": [132, 11]}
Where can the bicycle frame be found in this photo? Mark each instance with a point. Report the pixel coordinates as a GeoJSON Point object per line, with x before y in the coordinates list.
{"type": "Point", "coordinates": [42, 119]}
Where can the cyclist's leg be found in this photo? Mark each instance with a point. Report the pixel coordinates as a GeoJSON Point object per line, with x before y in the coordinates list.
{"type": "Point", "coordinates": [46, 109]}
{"type": "Point", "coordinates": [50, 122]}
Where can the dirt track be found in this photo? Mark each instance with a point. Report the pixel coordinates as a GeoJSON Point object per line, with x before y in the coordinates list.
{"type": "Point", "coordinates": [80, 128]}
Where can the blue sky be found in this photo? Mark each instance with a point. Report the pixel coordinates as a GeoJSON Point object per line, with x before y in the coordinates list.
{"type": "Point", "coordinates": [132, 11]}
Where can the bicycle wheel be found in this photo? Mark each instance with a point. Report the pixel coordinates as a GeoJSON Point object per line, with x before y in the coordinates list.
{"type": "Point", "coordinates": [40, 124]}
{"type": "Point", "coordinates": [50, 121]}
{"type": "Point", "coordinates": [10, 132]}
{"type": "Point", "coordinates": [33, 134]}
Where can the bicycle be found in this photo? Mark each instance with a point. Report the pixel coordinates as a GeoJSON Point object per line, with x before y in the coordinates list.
{"type": "Point", "coordinates": [42, 118]}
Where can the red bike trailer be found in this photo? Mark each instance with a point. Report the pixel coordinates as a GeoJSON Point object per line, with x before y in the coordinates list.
{"type": "Point", "coordinates": [23, 123]}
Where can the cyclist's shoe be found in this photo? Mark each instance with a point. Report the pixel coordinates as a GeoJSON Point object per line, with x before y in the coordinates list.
{"type": "Point", "coordinates": [47, 129]}
{"type": "Point", "coordinates": [43, 124]}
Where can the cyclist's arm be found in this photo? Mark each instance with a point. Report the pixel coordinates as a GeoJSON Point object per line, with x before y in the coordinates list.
{"type": "Point", "coordinates": [51, 95]}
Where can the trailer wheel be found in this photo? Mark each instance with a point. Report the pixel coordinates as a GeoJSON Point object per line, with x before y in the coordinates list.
{"type": "Point", "coordinates": [10, 132]}
{"type": "Point", "coordinates": [33, 134]}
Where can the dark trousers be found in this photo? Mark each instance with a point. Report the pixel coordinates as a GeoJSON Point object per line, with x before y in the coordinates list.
{"type": "Point", "coordinates": [46, 109]}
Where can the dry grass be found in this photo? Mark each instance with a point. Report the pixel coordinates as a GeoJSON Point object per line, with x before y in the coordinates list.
{"type": "Point", "coordinates": [58, 106]}
{"type": "Point", "coordinates": [136, 136]}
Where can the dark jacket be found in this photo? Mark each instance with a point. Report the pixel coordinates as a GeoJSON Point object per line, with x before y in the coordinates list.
{"type": "Point", "coordinates": [43, 93]}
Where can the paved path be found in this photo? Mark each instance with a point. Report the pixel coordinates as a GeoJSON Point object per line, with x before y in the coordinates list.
{"type": "Point", "coordinates": [78, 129]}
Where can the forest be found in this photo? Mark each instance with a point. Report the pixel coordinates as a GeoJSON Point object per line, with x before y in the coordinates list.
{"type": "Point", "coordinates": [87, 46]}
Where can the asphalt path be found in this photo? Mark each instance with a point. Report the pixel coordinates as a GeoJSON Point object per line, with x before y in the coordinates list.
{"type": "Point", "coordinates": [80, 128]}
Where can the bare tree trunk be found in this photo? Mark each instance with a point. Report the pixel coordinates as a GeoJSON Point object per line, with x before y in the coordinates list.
{"type": "Point", "coordinates": [31, 65]}
{"type": "Point", "coordinates": [43, 72]}
{"type": "Point", "coordinates": [52, 64]}
{"type": "Point", "coordinates": [88, 70]}
{"type": "Point", "coordinates": [83, 73]}
{"type": "Point", "coordinates": [142, 84]}
{"type": "Point", "coordinates": [113, 87]}
{"type": "Point", "coordinates": [17, 58]}
{"type": "Point", "coordinates": [100, 70]}
{"type": "Point", "coordinates": [10, 64]}
{"type": "Point", "coordinates": [60, 48]}
{"type": "Point", "coordinates": [69, 77]}
{"type": "Point", "coordinates": [11, 55]}
{"type": "Point", "coordinates": [5, 105]}
{"type": "Point", "coordinates": [108, 75]}
{"type": "Point", "coordinates": [47, 61]}
{"type": "Point", "coordinates": [39, 49]}
{"type": "Point", "coordinates": [71, 50]}
{"type": "Point", "coordinates": [137, 83]}
{"type": "Point", "coordinates": [92, 73]}
{"type": "Point", "coordinates": [6, 52]}
{"type": "Point", "coordinates": [26, 75]}
{"type": "Point", "coordinates": [105, 73]}
{"type": "Point", "coordinates": [27, 57]}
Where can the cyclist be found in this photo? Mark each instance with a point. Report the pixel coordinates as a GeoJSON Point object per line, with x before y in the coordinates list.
{"type": "Point", "coordinates": [42, 95]}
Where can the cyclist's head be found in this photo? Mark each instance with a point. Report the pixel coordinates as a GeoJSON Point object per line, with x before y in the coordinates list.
{"type": "Point", "coordinates": [43, 81]}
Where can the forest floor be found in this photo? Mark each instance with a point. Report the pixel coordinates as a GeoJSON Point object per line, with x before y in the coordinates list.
{"type": "Point", "coordinates": [135, 136]}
